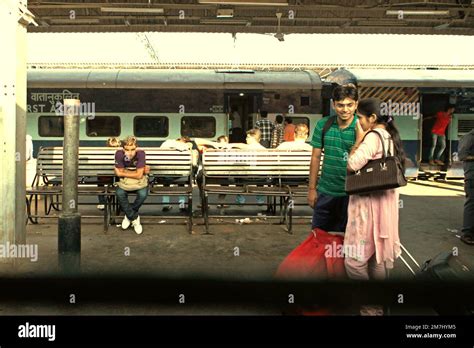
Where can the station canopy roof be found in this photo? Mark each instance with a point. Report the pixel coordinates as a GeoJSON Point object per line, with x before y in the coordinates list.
{"type": "Point", "coordinates": [278, 17]}
{"type": "Point", "coordinates": [414, 78]}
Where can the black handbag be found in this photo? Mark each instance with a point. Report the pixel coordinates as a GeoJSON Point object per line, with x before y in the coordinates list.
{"type": "Point", "coordinates": [380, 174]}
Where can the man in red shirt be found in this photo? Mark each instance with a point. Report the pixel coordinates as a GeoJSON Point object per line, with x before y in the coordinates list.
{"type": "Point", "coordinates": [443, 118]}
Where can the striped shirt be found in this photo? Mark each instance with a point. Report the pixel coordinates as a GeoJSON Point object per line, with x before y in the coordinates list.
{"type": "Point", "coordinates": [337, 146]}
{"type": "Point", "coordinates": [266, 127]}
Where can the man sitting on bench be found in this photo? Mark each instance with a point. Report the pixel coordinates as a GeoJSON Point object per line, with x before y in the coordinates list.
{"type": "Point", "coordinates": [131, 168]}
{"type": "Point", "coordinates": [253, 143]}
{"type": "Point", "coordinates": [301, 134]}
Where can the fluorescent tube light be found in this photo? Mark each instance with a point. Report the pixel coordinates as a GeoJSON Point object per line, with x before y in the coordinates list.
{"type": "Point", "coordinates": [131, 10]}
{"type": "Point", "coordinates": [224, 21]}
{"type": "Point", "coordinates": [418, 13]}
{"type": "Point", "coordinates": [247, 2]}
{"type": "Point", "coordinates": [225, 13]}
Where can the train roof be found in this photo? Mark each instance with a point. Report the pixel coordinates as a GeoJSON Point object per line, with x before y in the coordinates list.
{"type": "Point", "coordinates": [414, 78]}
{"type": "Point", "coordinates": [173, 79]}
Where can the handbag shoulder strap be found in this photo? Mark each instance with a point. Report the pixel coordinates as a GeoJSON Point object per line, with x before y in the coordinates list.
{"type": "Point", "coordinates": [390, 141]}
{"type": "Point", "coordinates": [384, 155]}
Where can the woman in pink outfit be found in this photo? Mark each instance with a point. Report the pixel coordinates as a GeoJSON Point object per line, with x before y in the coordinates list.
{"type": "Point", "coordinates": [371, 241]}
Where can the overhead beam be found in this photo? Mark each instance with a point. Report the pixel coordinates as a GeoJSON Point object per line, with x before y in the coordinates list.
{"type": "Point", "coordinates": [254, 29]}
{"type": "Point", "coordinates": [253, 20]}
{"type": "Point", "coordinates": [379, 7]}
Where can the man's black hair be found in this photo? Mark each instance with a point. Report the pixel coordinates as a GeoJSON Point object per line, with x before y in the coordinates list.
{"type": "Point", "coordinates": [342, 92]}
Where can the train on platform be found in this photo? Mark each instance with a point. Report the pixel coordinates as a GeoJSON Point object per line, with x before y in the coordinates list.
{"type": "Point", "coordinates": [156, 105]}
{"type": "Point", "coordinates": [165, 104]}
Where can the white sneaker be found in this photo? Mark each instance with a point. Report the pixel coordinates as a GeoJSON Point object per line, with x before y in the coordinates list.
{"type": "Point", "coordinates": [100, 206]}
{"type": "Point", "coordinates": [137, 226]}
{"type": "Point", "coordinates": [125, 223]}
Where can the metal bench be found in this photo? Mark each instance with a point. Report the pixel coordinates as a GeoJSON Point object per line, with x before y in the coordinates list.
{"type": "Point", "coordinates": [273, 173]}
{"type": "Point", "coordinates": [96, 167]}
{"type": "Point", "coordinates": [94, 164]}
{"type": "Point", "coordinates": [171, 174]}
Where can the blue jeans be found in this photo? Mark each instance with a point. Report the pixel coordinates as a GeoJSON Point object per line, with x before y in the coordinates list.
{"type": "Point", "coordinates": [131, 210]}
{"type": "Point", "coordinates": [442, 143]}
{"type": "Point", "coordinates": [330, 213]}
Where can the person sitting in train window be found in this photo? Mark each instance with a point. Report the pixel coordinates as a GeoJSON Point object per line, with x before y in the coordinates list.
{"type": "Point", "coordinates": [253, 143]}
{"type": "Point", "coordinates": [301, 134]}
{"type": "Point", "coordinates": [438, 133]}
{"type": "Point", "coordinates": [181, 144]}
{"type": "Point", "coordinates": [327, 196]}
{"type": "Point", "coordinates": [106, 180]}
{"type": "Point", "coordinates": [466, 154]}
{"type": "Point", "coordinates": [372, 231]}
{"type": "Point", "coordinates": [277, 134]}
{"type": "Point", "coordinates": [266, 128]}
{"type": "Point", "coordinates": [130, 162]}
{"type": "Point", "coordinates": [289, 132]}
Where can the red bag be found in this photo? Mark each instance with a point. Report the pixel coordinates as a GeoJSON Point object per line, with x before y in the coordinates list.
{"type": "Point", "coordinates": [320, 256]}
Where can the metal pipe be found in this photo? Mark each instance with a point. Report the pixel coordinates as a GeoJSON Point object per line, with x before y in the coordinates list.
{"type": "Point", "coordinates": [69, 224]}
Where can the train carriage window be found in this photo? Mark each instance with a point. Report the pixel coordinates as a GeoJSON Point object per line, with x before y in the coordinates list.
{"type": "Point", "coordinates": [151, 126]}
{"type": "Point", "coordinates": [103, 126]}
{"type": "Point", "coordinates": [198, 126]}
{"type": "Point", "coordinates": [51, 126]}
{"type": "Point", "coordinates": [304, 101]}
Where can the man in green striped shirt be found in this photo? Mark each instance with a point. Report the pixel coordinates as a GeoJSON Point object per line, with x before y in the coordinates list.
{"type": "Point", "coordinates": [327, 195]}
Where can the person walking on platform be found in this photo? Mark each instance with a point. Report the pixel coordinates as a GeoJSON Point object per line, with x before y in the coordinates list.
{"type": "Point", "coordinates": [466, 154]}
{"type": "Point", "coordinates": [327, 196]}
{"type": "Point", "coordinates": [438, 133]}
{"type": "Point", "coordinates": [131, 168]}
{"type": "Point", "coordinates": [372, 229]}
{"type": "Point", "coordinates": [266, 128]}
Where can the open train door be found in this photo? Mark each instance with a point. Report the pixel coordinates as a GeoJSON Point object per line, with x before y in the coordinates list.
{"type": "Point", "coordinates": [246, 105]}
{"type": "Point", "coordinates": [430, 105]}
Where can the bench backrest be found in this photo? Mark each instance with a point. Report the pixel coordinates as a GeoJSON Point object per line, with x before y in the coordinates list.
{"type": "Point", "coordinates": [257, 163]}
{"type": "Point", "coordinates": [100, 161]}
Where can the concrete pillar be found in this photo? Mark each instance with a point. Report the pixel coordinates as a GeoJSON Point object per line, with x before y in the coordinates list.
{"type": "Point", "coordinates": [69, 225]}
{"type": "Point", "coordinates": [13, 21]}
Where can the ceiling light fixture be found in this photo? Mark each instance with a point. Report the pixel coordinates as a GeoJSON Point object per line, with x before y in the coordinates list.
{"type": "Point", "coordinates": [246, 2]}
{"type": "Point", "coordinates": [418, 13]}
{"type": "Point", "coordinates": [131, 10]}
{"type": "Point", "coordinates": [225, 13]}
{"type": "Point", "coordinates": [224, 21]}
